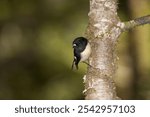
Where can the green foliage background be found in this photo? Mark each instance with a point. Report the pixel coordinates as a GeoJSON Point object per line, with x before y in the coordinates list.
{"type": "Point", "coordinates": [36, 52]}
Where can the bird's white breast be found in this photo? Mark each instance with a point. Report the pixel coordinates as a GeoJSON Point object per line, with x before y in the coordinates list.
{"type": "Point", "coordinates": [86, 53]}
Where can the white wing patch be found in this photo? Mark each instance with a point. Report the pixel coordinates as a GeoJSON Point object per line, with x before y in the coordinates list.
{"type": "Point", "coordinates": [75, 57]}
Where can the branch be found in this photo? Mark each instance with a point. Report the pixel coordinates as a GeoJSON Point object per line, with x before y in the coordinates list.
{"type": "Point", "coordinates": [136, 22]}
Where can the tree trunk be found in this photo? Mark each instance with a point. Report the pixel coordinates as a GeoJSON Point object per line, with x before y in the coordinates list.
{"type": "Point", "coordinates": [103, 31]}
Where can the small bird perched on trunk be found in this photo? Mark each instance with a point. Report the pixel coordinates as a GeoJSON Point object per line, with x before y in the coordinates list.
{"type": "Point", "coordinates": [82, 51]}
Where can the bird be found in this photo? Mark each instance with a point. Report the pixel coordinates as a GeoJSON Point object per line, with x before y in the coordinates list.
{"type": "Point", "coordinates": [82, 51]}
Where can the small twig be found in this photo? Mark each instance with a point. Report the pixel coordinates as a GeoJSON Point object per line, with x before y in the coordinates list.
{"type": "Point", "coordinates": [136, 22]}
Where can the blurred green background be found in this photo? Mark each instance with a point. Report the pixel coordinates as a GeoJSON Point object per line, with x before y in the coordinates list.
{"type": "Point", "coordinates": [36, 51]}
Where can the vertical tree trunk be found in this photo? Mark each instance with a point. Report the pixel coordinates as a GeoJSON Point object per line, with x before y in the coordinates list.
{"type": "Point", "coordinates": [102, 31]}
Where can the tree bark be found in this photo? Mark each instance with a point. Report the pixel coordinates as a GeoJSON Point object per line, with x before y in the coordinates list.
{"type": "Point", "coordinates": [103, 31]}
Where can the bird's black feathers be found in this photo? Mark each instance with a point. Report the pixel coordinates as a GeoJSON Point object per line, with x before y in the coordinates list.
{"type": "Point", "coordinates": [79, 45]}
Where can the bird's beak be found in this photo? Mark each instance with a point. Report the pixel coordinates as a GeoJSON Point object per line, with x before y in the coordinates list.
{"type": "Point", "coordinates": [74, 45]}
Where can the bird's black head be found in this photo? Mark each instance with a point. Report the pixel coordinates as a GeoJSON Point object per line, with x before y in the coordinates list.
{"type": "Point", "coordinates": [79, 45]}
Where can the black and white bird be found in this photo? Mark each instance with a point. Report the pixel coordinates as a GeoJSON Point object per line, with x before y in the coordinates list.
{"type": "Point", "coordinates": [82, 51]}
